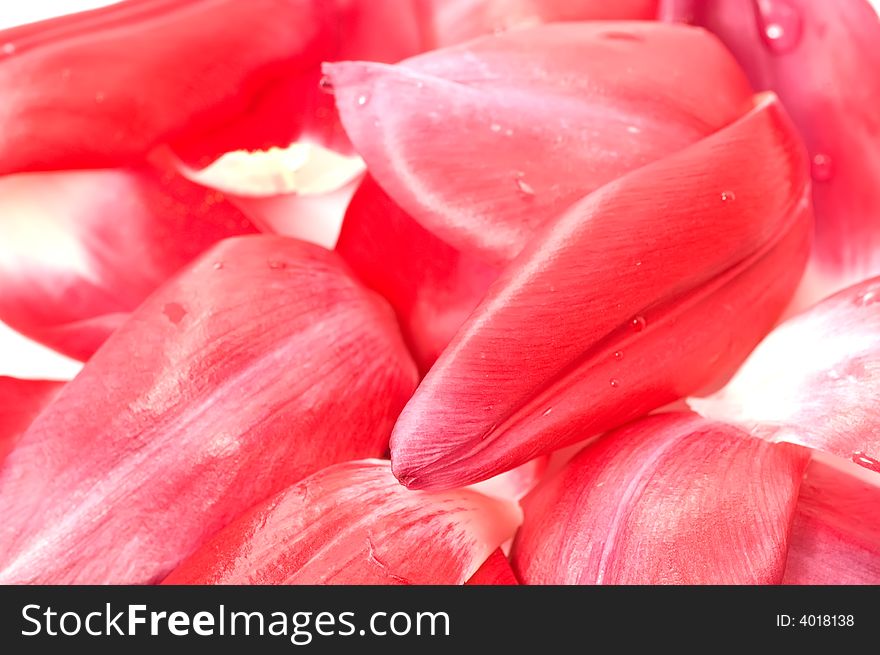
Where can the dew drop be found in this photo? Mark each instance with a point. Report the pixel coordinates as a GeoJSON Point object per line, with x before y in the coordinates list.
{"type": "Point", "coordinates": [864, 460]}
{"type": "Point", "coordinates": [728, 196]}
{"type": "Point", "coordinates": [632, 129]}
{"type": "Point", "coordinates": [524, 188]}
{"type": "Point", "coordinates": [276, 265]}
{"type": "Point", "coordinates": [495, 127]}
{"type": "Point", "coordinates": [867, 298]}
{"type": "Point", "coordinates": [821, 167]}
{"type": "Point", "coordinates": [8, 48]}
{"type": "Point", "coordinates": [363, 100]}
{"type": "Point", "coordinates": [218, 266]}
{"type": "Point", "coordinates": [618, 355]}
{"type": "Point", "coordinates": [508, 132]}
{"type": "Point", "coordinates": [639, 323]}
{"type": "Point", "coordinates": [174, 311]}
{"type": "Point", "coordinates": [779, 23]}
{"type": "Point", "coordinates": [547, 411]}
{"type": "Point", "coordinates": [326, 85]}
{"type": "Point", "coordinates": [614, 382]}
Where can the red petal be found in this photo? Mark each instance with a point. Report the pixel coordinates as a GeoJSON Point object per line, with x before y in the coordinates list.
{"type": "Point", "coordinates": [354, 524]}
{"type": "Point", "coordinates": [822, 59]}
{"type": "Point", "coordinates": [660, 282]}
{"type": "Point", "coordinates": [432, 286]}
{"type": "Point", "coordinates": [835, 538]}
{"type": "Point", "coordinates": [261, 363]}
{"type": "Point", "coordinates": [82, 249]}
{"type": "Point", "coordinates": [102, 88]}
{"type": "Point", "coordinates": [445, 133]}
{"type": "Point", "coordinates": [20, 402]}
{"type": "Point", "coordinates": [455, 21]}
{"type": "Point", "coordinates": [671, 499]}
{"type": "Point", "coordinates": [814, 380]}
{"type": "Point", "coordinates": [494, 571]}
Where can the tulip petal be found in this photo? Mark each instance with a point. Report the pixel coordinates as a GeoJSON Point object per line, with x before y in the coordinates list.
{"type": "Point", "coordinates": [20, 403]}
{"type": "Point", "coordinates": [494, 571]}
{"type": "Point", "coordinates": [814, 380]}
{"type": "Point", "coordinates": [354, 524]}
{"type": "Point", "coordinates": [670, 499]}
{"type": "Point", "coordinates": [821, 59]}
{"type": "Point", "coordinates": [455, 21]}
{"type": "Point", "coordinates": [835, 538]}
{"type": "Point", "coordinates": [100, 89]}
{"type": "Point", "coordinates": [608, 316]}
{"type": "Point", "coordinates": [444, 134]}
{"type": "Point", "coordinates": [261, 363]}
{"type": "Point", "coordinates": [80, 250]}
{"type": "Point", "coordinates": [431, 286]}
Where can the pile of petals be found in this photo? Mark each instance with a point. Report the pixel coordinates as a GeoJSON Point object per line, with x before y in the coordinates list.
{"type": "Point", "coordinates": [604, 306]}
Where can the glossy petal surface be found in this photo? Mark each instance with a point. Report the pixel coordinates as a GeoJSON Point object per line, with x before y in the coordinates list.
{"type": "Point", "coordinates": [261, 363]}
{"type": "Point", "coordinates": [20, 403]}
{"type": "Point", "coordinates": [670, 499]}
{"type": "Point", "coordinates": [355, 524]}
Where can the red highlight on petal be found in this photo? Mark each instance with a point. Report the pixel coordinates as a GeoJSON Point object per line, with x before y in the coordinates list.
{"type": "Point", "coordinates": [262, 362]}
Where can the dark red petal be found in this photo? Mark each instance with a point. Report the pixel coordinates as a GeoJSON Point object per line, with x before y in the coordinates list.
{"type": "Point", "coordinates": [835, 538]}
{"type": "Point", "coordinates": [446, 134]}
{"type": "Point", "coordinates": [261, 363]}
{"type": "Point", "coordinates": [354, 524]}
{"type": "Point", "coordinates": [814, 380]}
{"type": "Point", "coordinates": [660, 282]}
{"type": "Point", "coordinates": [431, 286]}
{"type": "Point", "coordinates": [80, 250]}
{"type": "Point", "coordinates": [20, 403]}
{"type": "Point", "coordinates": [494, 571]}
{"type": "Point", "coordinates": [670, 499]}
{"type": "Point", "coordinates": [822, 59]}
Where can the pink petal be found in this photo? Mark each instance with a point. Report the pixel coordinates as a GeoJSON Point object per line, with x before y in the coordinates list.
{"type": "Point", "coordinates": [20, 402]}
{"type": "Point", "coordinates": [431, 286]}
{"type": "Point", "coordinates": [835, 538]}
{"type": "Point", "coordinates": [659, 283]}
{"type": "Point", "coordinates": [259, 364]}
{"type": "Point", "coordinates": [670, 499]}
{"type": "Point", "coordinates": [445, 133]}
{"type": "Point", "coordinates": [814, 380]}
{"type": "Point", "coordinates": [494, 571]}
{"type": "Point", "coordinates": [515, 483]}
{"type": "Point", "coordinates": [822, 59]}
{"type": "Point", "coordinates": [354, 524]}
{"type": "Point", "coordinates": [80, 250]}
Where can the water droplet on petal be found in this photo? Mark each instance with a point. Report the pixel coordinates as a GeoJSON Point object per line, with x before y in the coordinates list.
{"type": "Point", "coordinates": [495, 127]}
{"type": "Point", "coordinates": [326, 85]}
{"type": "Point", "coordinates": [174, 311]}
{"type": "Point", "coordinates": [8, 48]}
{"type": "Point", "coordinates": [728, 196]}
{"type": "Point", "coordinates": [618, 355]}
{"type": "Point", "coordinates": [864, 460]}
{"type": "Point", "coordinates": [524, 188]}
{"type": "Point", "coordinates": [639, 323]}
{"type": "Point", "coordinates": [822, 168]}
{"type": "Point", "coordinates": [276, 265]}
{"type": "Point", "coordinates": [614, 382]}
{"type": "Point", "coordinates": [218, 266]}
{"type": "Point", "coordinates": [632, 129]}
{"type": "Point", "coordinates": [867, 298]}
{"type": "Point", "coordinates": [779, 23]}
{"type": "Point", "coordinates": [363, 100]}
{"type": "Point", "coordinates": [547, 411]}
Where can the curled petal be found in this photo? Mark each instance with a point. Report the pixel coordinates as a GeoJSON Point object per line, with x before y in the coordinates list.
{"type": "Point", "coordinates": [355, 524]}
{"type": "Point", "coordinates": [432, 286]}
{"type": "Point", "coordinates": [20, 403]}
{"type": "Point", "coordinates": [444, 134]}
{"type": "Point", "coordinates": [610, 318]}
{"type": "Point", "coordinates": [670, 499]}
{"type": "Point", "coordinates": [835, 538]}
{"type": "Point", "coordinates": [494, 571]}
{"type": "Point", "coordinates": [261, 363]}
{"type": "Point", "coordinates": [80, 250]}
{"type": "Point", "coordinates": [202, 81]}
{"type": "Point", "coordinates": [821, 59]}
{"type": "Point", "coordinates": [814, 380]}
